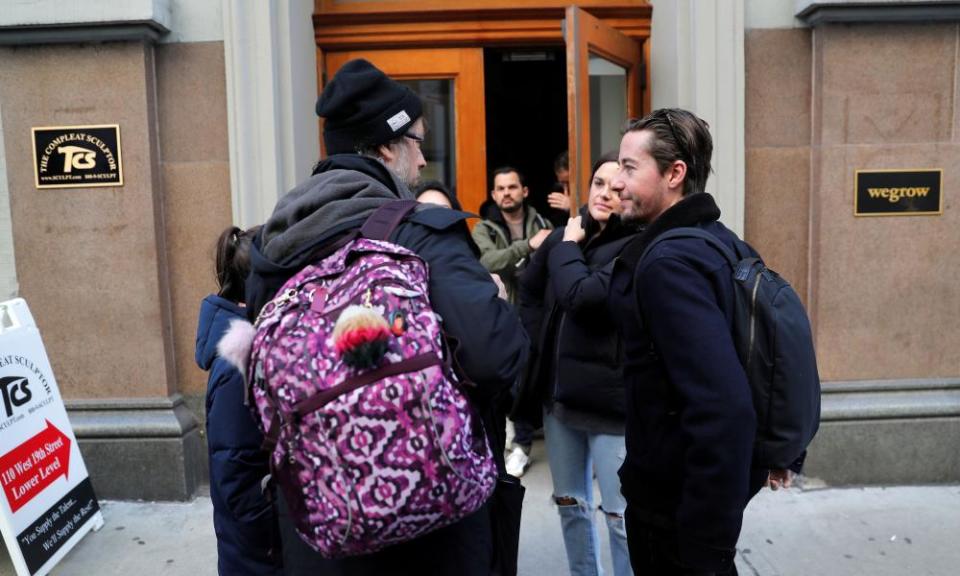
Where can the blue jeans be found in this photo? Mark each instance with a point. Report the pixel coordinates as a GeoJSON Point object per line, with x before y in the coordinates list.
{"type": "Point", "coordinates": [573, 456]}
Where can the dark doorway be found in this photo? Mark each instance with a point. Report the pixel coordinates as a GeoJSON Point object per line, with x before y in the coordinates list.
{"type": "Point", "coordinates": [526, 107]}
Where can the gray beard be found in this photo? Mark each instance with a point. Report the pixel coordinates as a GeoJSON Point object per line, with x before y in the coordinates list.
{"type": "Point", "coordinates": [403, 167]}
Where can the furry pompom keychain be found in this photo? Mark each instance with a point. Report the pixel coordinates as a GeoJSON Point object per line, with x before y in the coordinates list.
{"type": "Point", "coordinates": [360, 336]}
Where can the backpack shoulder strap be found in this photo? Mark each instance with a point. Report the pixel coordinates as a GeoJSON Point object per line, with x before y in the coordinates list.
{"type": "Point", "coordinates": [691, 232]}
{"type": "Point", "coordinates": [385, 219]}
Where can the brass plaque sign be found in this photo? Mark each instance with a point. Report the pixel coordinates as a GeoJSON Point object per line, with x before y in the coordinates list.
{"type": "Point", "coordinates": [898, 192]}
{"type": "Point", "coordinates": [77, 156]}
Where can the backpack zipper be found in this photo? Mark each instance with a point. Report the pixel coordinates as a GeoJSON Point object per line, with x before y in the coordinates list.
{"type": "Point", "coordinates": [364, 296]}
{"type": "Point", "coordinates": [283, 299]}
{"type": "Point", "coordinates": [753, 322]}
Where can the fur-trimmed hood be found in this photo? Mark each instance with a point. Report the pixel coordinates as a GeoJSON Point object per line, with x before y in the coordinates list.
{"type": "Point", "coordinates": [223, 332]}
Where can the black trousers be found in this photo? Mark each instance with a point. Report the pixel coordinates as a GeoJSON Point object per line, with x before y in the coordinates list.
{"type": "Point", "coordinates": [654, 550]}
{"type": "Point", "coordinates": [462, 549]}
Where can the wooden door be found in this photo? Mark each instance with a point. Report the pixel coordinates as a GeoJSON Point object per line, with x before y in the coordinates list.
{"type": "Point", "coordinates": [599, 59]}
{"type": "Point", "coordinates": [450, 81]}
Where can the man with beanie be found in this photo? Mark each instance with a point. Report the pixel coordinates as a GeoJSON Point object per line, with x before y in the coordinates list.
{"type": "Point", "coordinates": [368, 113]}
{"type": "Point", "coordinates": [372, 132]}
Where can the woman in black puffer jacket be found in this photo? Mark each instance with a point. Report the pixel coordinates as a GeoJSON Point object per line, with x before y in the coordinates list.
{"type": "Point", "coordinates": [575, 380]}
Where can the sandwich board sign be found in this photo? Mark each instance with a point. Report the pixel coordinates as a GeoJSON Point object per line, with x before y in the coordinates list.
{"type": "Point", "coordinates": [47, 504]}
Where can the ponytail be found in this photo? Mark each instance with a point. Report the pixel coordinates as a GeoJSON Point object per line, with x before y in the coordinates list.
{"type": "Point", "coordinates": [233, 262]}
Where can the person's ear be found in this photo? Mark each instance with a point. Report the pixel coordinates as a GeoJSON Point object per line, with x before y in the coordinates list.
{"type": "Point", "coordinates": [386, 153]}
{"type": "Point", "coordinates": [525, 191]}
{"type": "Point", "coordinates": [677, 173]}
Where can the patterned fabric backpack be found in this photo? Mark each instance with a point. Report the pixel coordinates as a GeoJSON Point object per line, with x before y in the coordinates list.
{"type": "Point", "coordinates": [372, 440]}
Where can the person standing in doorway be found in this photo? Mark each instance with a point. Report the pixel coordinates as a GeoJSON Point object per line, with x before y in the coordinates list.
{"type": "Point", "coordinates": [559, 197]}
{"type": "Point", "coordinates": [512, 231]}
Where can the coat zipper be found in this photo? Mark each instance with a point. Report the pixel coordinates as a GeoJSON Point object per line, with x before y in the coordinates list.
{"type": "Point", "coordinates": [556, 353]}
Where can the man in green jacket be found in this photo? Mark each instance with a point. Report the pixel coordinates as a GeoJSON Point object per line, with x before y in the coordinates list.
{"type": "Point", "coordinates": [511, 230]}
{"type": "Point", "coordinates": [507, 236]}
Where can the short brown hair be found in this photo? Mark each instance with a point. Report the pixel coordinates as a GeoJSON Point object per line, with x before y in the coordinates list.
{"type": "Point", "coordinates": [678, 135]}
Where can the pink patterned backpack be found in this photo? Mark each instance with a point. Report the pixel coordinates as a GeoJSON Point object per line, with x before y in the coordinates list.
{"type": "Point", "coordinates": [372, 440]}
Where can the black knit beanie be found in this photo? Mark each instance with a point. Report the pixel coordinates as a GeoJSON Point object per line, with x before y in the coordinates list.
{"type": "Point", "coordinates": [363, 106]}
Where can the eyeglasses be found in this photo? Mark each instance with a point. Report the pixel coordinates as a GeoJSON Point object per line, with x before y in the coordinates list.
{"type": "Point", "coordinates": [415, 138]}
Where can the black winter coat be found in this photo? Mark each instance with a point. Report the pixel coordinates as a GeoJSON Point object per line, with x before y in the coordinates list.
{"type": "Point", "coordinates": [492, 346]}
{"type": "Point", "coordinates": [563, 304]}
{"type": "Point", "coordinates": [690, 421]}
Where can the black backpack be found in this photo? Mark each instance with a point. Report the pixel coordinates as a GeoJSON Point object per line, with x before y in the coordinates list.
{"type": "Point", "coordinates": [774, 341]}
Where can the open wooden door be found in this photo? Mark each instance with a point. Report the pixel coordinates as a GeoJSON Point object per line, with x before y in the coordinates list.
{"type": "Point", "coordinates": [450, 83]}
{"type": "Point", "coordinates": [604, 70]}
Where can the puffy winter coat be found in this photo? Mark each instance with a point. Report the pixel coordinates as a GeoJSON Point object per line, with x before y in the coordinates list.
{"type": "Point", "coordinates": [563, 303]}
{"type": "Point", "coordinates": [243, 518]}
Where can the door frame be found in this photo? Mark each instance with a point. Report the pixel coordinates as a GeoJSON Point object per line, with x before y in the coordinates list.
{"type": "Point", "coordinates": [342, 24]}
{"type": "Point", "coordinates": [584, 35]}
{"type": "Point", "coordinates": [418, 26]}
{"type": "Point", "coordinates": [464, 66]}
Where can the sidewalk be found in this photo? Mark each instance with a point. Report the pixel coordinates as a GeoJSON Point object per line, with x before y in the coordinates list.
{"type": "Point", "coordinates": [830, 532]}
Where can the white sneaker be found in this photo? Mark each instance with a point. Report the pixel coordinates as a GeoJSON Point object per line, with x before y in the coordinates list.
{"type": "Point", "coordinates": [517, 462]}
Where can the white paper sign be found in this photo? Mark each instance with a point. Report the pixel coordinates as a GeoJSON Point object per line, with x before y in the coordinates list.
{"type": "Point", "coordinates": [47, 504]}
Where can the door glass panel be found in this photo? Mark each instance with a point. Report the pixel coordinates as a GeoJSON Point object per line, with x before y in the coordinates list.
{"type": "Point", "coordinates": [438, 113]}
{"type": "Point", "coordinates": [608, 105]}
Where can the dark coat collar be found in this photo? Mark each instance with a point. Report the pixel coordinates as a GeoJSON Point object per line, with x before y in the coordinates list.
{"type": "Point", "coordinates": [694, 210]}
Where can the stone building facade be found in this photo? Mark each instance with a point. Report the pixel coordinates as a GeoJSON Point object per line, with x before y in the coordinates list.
{"type": "Point", "coordinates": [214, 100]}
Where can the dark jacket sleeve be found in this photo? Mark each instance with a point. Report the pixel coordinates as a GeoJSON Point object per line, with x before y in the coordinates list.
{"type": "Point", "coordinates": [244, 520]}
{"type": "Point", "coordinates": [493, 344]}
{"type": "Point", "coordinates": [532, 286]}
{"type": "Point", "coordinates": [574, 284]}
{"type": "Point", "coordinates": [681, 302]}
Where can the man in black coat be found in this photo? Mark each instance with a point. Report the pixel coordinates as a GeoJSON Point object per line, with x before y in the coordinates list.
{"type": "Point", "coordinates": [691, 424]}
{"type": "Point", "coordinates": [372, 134]}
